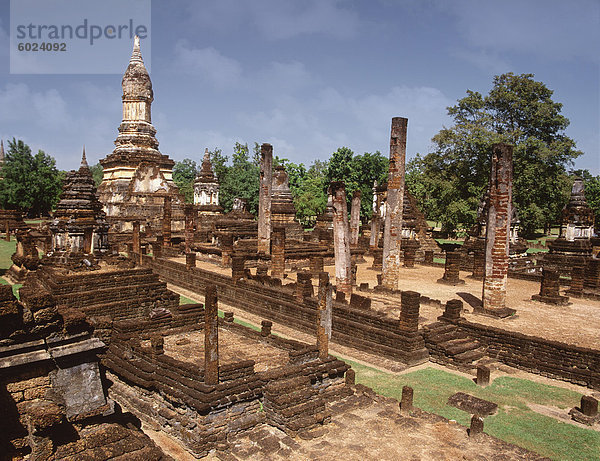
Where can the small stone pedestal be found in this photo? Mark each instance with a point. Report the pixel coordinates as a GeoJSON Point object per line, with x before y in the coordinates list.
{"type": "Point", "coordinates": [452, 269]}
{"type": "Point", "coordinates": [265, 328]}
{"type": "Point", "coordinates": [190, 260]}
{"type": "Point", "coordinates": [576, 288]}
{"type": "Point", "coordinates": [406, 404]}
{"type": "Point", "coordinates": [316, 265]}
{"type": "Point", "coordinates": [587, 413]}
{"type": "Point", "coordinates": [479, 260]}
{"type": "Point", "coordinates": [452, 310]}
{"type": "Point", "coordinates": [410, 253]}
{"type": "Point", "coordinates": [476, 427]}
{"type": "Point", "coordinates": [238, 263]}
{"type": "Point", "coordinates": [304, 288]}
{"type": "Point", "coordinates": [550, 289]}
{"type": "Point", "coordinates": [483, 375]}
{"type": "Point", "coordinates": [377, 259]}
{"type": "Point", "coordinates": [428, 257]}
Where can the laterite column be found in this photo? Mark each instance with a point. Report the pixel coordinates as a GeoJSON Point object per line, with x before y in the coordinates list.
{"type": "Point", "coordinates": [392, 236]}
{"type": "Point", "coordinates": [211, 336]}
{"type": "Point", "coordinates": [264, 199]}
{"type": "Point", "coordinates": [341, 239]}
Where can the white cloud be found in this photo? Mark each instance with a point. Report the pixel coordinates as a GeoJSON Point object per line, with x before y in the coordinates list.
{"type": "Point", "coordinates": [486, 60]}
{"type": "Point", "coordinates": [217, 69]}
{"type": "Point", "coordinates": [46, 109]}
{"type": "Point", "coordinates": [552, 28]}
{"type": "Point", "coordinates": [277, 19]}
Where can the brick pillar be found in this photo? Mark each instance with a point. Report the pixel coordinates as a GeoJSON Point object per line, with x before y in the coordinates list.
{"type": "Point", "coordinates": [428, 257]}
{"type": "Point", "coordinates": [410, 253]}
{"type": "Point", "coordinates": [189, 212]}
{"type": "Point", "coordinates": [324, 312]}
{"type": "Point", "coordinates": [577, 275]}
{"type": "Point", "coordinates": [406, 404]}
{"type": "Point", "coordinates": [136, 238]}
{"type": "Point", "coordinates": [211, 336]}
{"type": "Point", "coordinates": [226, 241]}
{"type": "Point", "coordinates": [316, 265]}
{"type": "Point", "coordinates": [452, 269]}
{"type": "Point", "coordinates": [262, 269]}
{"type": "Point", "coordinates": [376, 217]}
{"type": "Point", "coordinates": [278, 252]}
{"type": "Point", "coordinates": [498, 229]}
{"type": "Point", "coordinates": [341, 239]}
{"type": "Point", "coordinates": [264, 199]}
{"type": "Point", "coordinates": [377, 259]}
{"type": "Point", "coordinates": [589, 406]}
{"type": "Point", "coordinates": [190, 260]}
{"type": "Point", "coordinates": [409, 311]}
{"type": "Point", "coordinates": [265, 328]}
{"type": "Point", "coordinates": [166, 222]}
{"type": "Point", "coordinates": [238, 262]}
{"type": "Point", "coordinates": [478, 263]}
{"type": "Point", "coordinates": [476, 426]}
{"type": "Point", "coordinates": [304, 288]}
{"type": "Point", "coordinates": [483, 375]}
{"type": "Point", "coordinates": [591, 278]}
{"type": "Point", "coordinates": [355, 218]}
{"type": "Point", "coordinates": [550, 288]}
{"type": "Point", "coordinates": [452, 310]}
{"type": "Point", "coordinates": [157, 248]}
{"type": "Point", "coordinates": [392, 234]}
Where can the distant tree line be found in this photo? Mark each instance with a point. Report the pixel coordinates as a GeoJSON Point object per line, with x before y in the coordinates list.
{"type": "Point", "coordinates": [448, 182]}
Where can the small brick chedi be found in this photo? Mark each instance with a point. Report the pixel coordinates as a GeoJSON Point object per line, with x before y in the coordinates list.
{"type": "Point", "coordinates": [206, 189]}
{"type": "Point", "coordinates": [573, 247]}
{"type": "Point", "coordinates": [137, 177]}
{"type": "Point", "coordinates": [79, 225]}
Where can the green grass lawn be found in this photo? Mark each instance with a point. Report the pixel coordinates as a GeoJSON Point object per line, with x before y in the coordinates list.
{"type": "Point", "coordinates": [514, 422]}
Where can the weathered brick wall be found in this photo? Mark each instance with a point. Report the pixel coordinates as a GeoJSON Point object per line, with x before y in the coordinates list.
{"type": "Point", "coordinates": [119, 294]}
{"type": "Point", "coordinates": [365, 329]}
{"type": "Point", "coordinates": [201, 415]}
{"type": "Point", "coordinates": [538, 355]}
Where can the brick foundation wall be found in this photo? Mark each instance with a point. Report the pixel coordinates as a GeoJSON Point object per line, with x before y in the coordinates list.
{"type": "Point", "coordinates": [362, 328]}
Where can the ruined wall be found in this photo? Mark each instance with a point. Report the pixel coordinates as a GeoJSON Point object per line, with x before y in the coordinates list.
{"type": "Point", "coordinates": [201, 415]}
{"type": "Point", "coordinates": [549, 358]}
{"type": "Point", "coordinates": [361, 328]}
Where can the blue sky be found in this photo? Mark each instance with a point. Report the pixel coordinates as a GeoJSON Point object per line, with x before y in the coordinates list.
{"type": "Point", "coordinates": [313, 75]}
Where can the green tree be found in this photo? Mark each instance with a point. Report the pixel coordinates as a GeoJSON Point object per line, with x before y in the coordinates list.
{"type": "Point", "coordinates": [520, 111]}
{"type": "Point", "coordinates": [358, 173]}
{"type": "Point", "coordinates": [241, 179]}
{"type": "Point", "coordinates": [31, 183]}
{"type": "Point", "coordinates": [97, 173]}
{"type": "Point", "coordinates": [592, 192]}
{"type": "Point", "coordinates": [184, 175]}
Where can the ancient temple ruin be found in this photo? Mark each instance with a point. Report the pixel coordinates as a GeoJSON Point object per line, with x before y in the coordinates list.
{"type": "Point", "coordinates": [137, 177]}
{"type": "Point", "coordinates": [573, 247]}
{"type": "Point", "coordinates": [79, 225]}
{"type": "Point", "coordinates": [206, 189]}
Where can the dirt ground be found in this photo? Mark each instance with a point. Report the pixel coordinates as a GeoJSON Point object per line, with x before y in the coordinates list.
{"type": "Point", "coordinates": [371, 427]}
{"type": "Point", "coordinates": [233, 347]}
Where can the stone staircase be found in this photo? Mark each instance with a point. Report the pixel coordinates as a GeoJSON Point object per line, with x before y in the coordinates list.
{"type": "Point", "coordinates": [449, 346]}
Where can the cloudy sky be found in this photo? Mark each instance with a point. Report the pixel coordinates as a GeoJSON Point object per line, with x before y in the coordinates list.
{"type": "Point", "coordinates": [310, 76]}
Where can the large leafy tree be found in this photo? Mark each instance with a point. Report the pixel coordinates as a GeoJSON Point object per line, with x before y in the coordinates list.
{"type": "Point", "coordinates": [31, 183]}
{"type": "Point", "coordinates": [184, 175]}
{"type": "Point", "coordinates": [592, 192]}
{"type": "Point", "coordinates": [241, 179]}
{"type": "Point", "coordinates": [520, 111]}
{"type": "Point", "coordinates": [358, 173]}
{"type": "Point", "coordinates": [97, 173]}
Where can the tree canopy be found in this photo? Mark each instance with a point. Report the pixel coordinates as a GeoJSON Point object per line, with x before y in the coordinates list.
{"type": "Point", "coordinates": [184, 175]}
{"type": "Point", "coordinates": [450, 181]}
{"type": "Point", "coordinates": [31, 183]}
